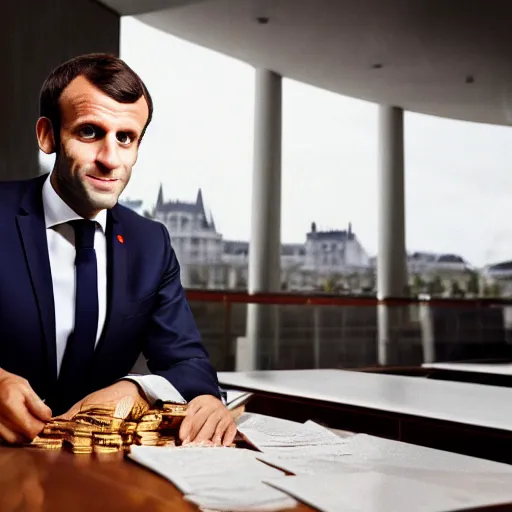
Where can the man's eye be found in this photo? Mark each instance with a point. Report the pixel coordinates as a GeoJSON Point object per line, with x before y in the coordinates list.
{"type": "Point", "coordinates": [124, 137]}
{"type": "Point", "coordinates": [87, 132]}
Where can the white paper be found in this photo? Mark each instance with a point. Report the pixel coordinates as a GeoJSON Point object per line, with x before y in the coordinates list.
{"type": "Point", "coordinates": [265, 432]}
{"type": "Point", "coordinates": [377, 453]}
{"type": "Point", "coordinates": [308, 460]}
{"type": "Point", "coordinates": [260, 497]}
{"type": "Point", "coordinates": [217, 477]}
{"type": "Point", "coordinates": [376, 492]}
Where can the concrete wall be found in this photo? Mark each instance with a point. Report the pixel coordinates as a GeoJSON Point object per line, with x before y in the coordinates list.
{"type": "Point", "coordinates": [36, 36]}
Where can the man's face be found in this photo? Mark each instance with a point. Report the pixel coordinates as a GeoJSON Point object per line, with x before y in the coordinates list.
{"type": "Point", "coordinates": [99, 140]}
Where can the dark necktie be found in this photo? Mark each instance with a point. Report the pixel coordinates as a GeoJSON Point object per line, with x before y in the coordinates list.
{"type": "Point", "coordinates": [74, 375]}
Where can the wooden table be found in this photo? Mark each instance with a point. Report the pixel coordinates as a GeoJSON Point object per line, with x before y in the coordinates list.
{"type": "Point", "coordinates": [37, 481]}
{"type": "Point", "coordinates": [464, 418]}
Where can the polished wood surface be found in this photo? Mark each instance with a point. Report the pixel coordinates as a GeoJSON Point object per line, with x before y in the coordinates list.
{"type": "Point", "coordinates": [36, 481]}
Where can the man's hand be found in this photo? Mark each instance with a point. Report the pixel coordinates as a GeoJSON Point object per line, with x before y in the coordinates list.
{"type": "Point", "coordinates": [22, 413]}
{"type": "Point", "coordinates": [208, 419]}
{"type": "Point", "coordinates": [110, 394]}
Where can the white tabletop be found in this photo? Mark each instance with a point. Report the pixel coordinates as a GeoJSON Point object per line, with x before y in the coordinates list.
{"type": "Point", "coordinates": [460, 402]}
{"type": "Point", "coordinates": [496, 369]}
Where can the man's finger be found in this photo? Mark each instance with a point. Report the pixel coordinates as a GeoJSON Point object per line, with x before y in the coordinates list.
{"type": "Point", "coordinates": [22, 422]}
{"type": "Point", "coordinates": [210, 426]}
{"type": "Point", "coordinates": [230, 434]}
{"type": "Point", "coordinates": [187, 423]}
{"type": "Point", "coordinates": [9, 436]}
{"type": "Point", "coordinates": [221, 429]}
{"type": "Point", "coordinates": [185, 427]}
{"type": "Point", "coordinates": [37, 407]}
{"type": "Point", "coordinates": [192, 424]}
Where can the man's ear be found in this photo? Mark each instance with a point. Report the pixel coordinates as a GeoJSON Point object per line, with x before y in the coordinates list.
{"type": "Point", "coordinates": [45, 138]}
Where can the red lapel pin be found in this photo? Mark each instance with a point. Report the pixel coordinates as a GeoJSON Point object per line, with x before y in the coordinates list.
{"type": "Point", "coordinates": [120, 239]}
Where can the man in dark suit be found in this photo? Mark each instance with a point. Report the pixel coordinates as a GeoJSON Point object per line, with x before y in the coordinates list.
{"type": "Point", "coordinates": [86, 285]}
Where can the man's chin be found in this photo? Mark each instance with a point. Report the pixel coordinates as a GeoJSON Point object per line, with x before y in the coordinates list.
{"type": "Point", "coordinates": [103, 202]}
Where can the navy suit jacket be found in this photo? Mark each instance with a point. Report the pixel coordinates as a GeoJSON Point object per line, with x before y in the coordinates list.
{"type": "Point", "coordinates": [146, 306]}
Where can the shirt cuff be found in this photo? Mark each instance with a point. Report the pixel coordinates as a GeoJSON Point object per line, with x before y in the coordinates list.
{"type": "Point", "coordinates": [156, 388]}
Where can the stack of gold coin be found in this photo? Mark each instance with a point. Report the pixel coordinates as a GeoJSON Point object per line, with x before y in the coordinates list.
{"type": "Point", "coordinates": [109, 428]}
{"type": "Point", "coordinates": [165, 440]}
{"type": "Point", "coordinates": [146, 438]}
{"type": "Point", "coordinates": [47, 443]}
{"type": "Point", "coordinates": [107, 442]}
{"type": "Point", "coordinates": [79, 439]}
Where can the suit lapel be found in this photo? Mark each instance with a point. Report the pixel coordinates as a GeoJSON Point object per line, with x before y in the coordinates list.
{"type": "Point", "coordinates": [32, 230]}
{"type": "Point", "coordinates": [116, 276]}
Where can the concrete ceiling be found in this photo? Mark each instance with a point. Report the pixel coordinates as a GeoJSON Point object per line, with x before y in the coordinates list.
{"type": "Point", "coordinates": [451, 58]}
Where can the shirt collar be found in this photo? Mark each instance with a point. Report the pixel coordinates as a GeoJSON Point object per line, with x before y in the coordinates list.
{"type": "Point", "coordinates": [56, 211]}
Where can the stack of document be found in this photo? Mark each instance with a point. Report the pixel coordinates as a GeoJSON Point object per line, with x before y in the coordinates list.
{"type": "Point", "coordinates": [368, 474]}
{"type": "Point", "coordinates": [265, 432]}
{"type": "Point", "coordinates": [295, 447]}
{"type": "Point", "coordinates": [373, 491]}
{"type": "Point", "coordinates": [224, 479]}
{"type": "Point", "coordinates": [359, 473]}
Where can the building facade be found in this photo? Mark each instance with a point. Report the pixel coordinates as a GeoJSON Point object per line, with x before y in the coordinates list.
{"type": "Point", "coordinates": [329, 261]}
{"type": "Point", "coordinates": [209, 261]}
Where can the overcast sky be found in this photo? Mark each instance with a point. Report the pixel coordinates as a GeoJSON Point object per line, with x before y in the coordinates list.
{"type": "Point", "coordinates": [458, 174]}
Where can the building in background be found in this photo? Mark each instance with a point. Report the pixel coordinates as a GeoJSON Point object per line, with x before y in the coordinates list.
{"type": "Point", "coordinates": [332, 261]}
{"type": "Point", "coordinates": [326, 261]}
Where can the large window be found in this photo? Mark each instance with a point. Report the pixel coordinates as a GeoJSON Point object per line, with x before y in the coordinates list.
{"type": "Point", "coordinates": [329, 186]}
{"type": "Point", "coordinates": [459, 189]}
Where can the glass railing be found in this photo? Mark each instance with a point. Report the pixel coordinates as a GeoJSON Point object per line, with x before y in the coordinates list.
{"type": "Point", "coordinates": [289, 331]}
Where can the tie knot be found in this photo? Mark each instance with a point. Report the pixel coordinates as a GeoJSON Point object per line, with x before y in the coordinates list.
{"type": "Point", "coordinates": [84, 233]}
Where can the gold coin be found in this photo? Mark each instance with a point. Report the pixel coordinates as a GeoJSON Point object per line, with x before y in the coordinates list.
{"type": "Point", "coordinates": [47, 443]}
{"type": "Point", "coordinates": [147, 425]}
{"type": "Point", "coordinates": [175, 408]}
{"type": "Point", "coordinates": [172, 422]}
{"type": "Point", "coordinates": [153, 416]}
{"type": "Point", "coordinates": [129, 427]}
{"type": "Point", "coordinates": [107, 440]}
{"type": "Point", "coordinates": [106, 449]}
{"type": "Point", "coordinates": [148, 434]}
{"type": "Point", "coordinates": [56, 427]}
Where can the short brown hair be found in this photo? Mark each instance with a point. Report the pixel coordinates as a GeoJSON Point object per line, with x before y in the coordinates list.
{"type": "Point", "coordinates": [107, 72]}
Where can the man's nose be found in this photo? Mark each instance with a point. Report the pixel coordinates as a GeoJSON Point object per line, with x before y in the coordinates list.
{"type": "Point", "coordinates": [108, 154]}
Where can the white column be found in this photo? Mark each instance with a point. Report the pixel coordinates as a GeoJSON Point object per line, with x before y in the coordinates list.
{"type": "Point", "coordinates": [265, 248]}
{"type": "Point", "coordinates": [265, 243]}
{"type": "Point", "coordinates": [391, 267]}
{"type": "Point", "coordinates": [391, 259]}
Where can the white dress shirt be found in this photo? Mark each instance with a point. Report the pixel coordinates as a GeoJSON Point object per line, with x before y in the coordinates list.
{"type": "Point", "coordinates": [62, 252]}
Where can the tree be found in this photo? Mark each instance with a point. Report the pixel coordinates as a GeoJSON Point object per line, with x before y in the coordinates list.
{"type": "Point", "coordinates": [418, 285]}
{"type": "Point", "coordinates": [436, 287]}
{"type": "Point", "coordinates": [492, 290]}
{"type": "Point", "coordinates": [329, 285]}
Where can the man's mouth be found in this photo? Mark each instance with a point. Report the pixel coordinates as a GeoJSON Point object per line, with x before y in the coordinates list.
{"type": "Point", "coordinates": [101, 179]}
{"type": "Point", "coordinates": [102, 183]}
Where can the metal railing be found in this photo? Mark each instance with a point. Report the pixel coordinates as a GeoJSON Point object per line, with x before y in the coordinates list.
{"type": "Point", "coordinates": [319, 331]}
